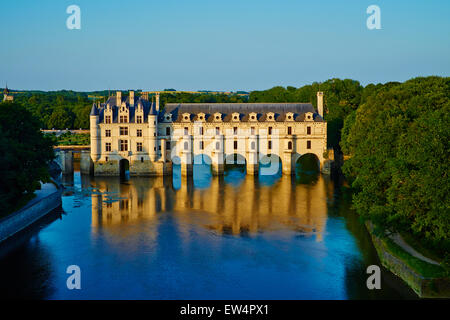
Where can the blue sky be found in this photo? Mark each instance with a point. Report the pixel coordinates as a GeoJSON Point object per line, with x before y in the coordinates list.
{"type": "Point", "coordinates": [219, 45]}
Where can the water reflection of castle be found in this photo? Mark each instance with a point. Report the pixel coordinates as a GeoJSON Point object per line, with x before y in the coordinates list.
{"type": "Point", "coordinates": [244, 209]}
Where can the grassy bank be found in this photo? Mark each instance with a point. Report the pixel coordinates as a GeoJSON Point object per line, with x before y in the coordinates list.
{"type": "Point", "coordinates": [426, 279]}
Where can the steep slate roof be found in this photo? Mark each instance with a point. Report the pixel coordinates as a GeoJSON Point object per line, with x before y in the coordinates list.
{"type": "Point", "coordinates": [244, 109]}
{"type": "Point", "coordinates": [148, 107]}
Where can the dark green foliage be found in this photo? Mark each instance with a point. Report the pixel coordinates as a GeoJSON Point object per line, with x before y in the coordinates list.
{"type": "Point", "coordinates": [341, 97]}
{"type": "Point", "coordinates": [58, 110]}
{"type": "Point", "coordinates": [398, 141]}
{"type": "Point", "coordinates": [69, 139]}
{"type": "Point", "coordinates": [24, 154]}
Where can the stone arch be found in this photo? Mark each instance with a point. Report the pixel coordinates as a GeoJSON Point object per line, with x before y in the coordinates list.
{"type": "Point", "coordinates": [307, 163]}
{"type": "Point", "coordinates": [235, 160]}
{"type": "Point", "coordinates": [270, 164]}
{"type": "Point", "coordinates": [124, 166]}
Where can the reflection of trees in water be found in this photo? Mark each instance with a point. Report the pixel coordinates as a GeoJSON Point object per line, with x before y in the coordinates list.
{"type": "Point", "coordinates": [246, 208]}
{"type": "Point", "coordinates": [355, 271]}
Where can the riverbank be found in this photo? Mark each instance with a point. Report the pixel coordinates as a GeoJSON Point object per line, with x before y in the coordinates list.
{"type": "Point", "coordinates": [46, 200]}
{"type": "Point", "coordinates": [425, 276]}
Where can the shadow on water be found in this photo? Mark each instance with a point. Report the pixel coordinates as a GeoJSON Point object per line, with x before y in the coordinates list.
{"type": "Point", "coordinates": [29, 267]}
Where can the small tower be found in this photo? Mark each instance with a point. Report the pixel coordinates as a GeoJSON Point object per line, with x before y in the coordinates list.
{"type": "Point", "coordinates": [95, 133]}
{"type": "Point", "coordinates": [320, 103]}
{"type": "Point", "coordinates": [153, 132]}
{"type": "Point", "coordinates": [6, 96]}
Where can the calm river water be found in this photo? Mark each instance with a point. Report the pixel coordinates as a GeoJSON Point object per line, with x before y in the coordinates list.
{"type": "Point", "coordinates": [234, 237]}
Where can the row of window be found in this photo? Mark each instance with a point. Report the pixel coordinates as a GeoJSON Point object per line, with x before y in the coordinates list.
{"type": "Point", "coordinates": [123, 119]}
{"type": "Point", "coordinates": [124, 131]}
{"type": "Point", "coordinates": [235, 130]}
{"type": "Point", "coordinates": [252, 145]}
{"type": "Point", "coordinates": [123, 145]}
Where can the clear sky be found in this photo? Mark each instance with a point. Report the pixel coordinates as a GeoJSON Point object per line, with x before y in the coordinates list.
{"type": "Point", "coordinates": [219, 45]}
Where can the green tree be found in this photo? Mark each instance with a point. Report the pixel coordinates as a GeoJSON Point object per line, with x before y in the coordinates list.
{"type": "Point", "coordinates": [24, 154]}
{"type": "Point", "coordinates": [398, 142]}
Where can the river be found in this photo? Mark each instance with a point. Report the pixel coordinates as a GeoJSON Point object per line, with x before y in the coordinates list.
{"type": "Point", "coordinates": [230, 237]}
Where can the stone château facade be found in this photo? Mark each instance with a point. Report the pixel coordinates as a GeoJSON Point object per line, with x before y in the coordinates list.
{"type": "Point", "coordinates": [134, 132]}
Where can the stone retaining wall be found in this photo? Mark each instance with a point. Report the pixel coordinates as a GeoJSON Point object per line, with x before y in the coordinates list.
{"type": "Point", "coordinates": [26, 216]}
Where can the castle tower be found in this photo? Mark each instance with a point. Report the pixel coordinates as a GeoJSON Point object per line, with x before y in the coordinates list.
{"type": "Point", "coordinates": [152, 132]}
{"type": "Point", "coordinates": [320, 103]}
{"type": "Point", "coordinates": [95, 133]}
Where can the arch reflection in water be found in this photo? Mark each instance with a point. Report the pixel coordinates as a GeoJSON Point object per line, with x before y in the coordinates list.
{"type": "Point", "coordinates": [247, 208]}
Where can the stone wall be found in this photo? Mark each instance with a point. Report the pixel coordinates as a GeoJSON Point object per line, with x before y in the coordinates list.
{"type": "Point", "coordinates": [26, 216]}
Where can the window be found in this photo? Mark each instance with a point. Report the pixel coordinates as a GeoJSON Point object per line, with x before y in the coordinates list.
{"type": "Point", "coordinates": [138, 119]}
{"type": "Point", "coordinates": [168, 145]}
{"type": "Point", "coordinates": [139, 147]}
{"type": "Point", "coordinates": [123, 131]}
{"type": "Point", "coordinates": [252, 131]}
{"type": "Point", "coordinates": [235, 145]}
{"type": "Point", "coordinates": [253, 145]}
{"type": "Point", "coordinates": [235, 117]}
{"type": "Point", "coordinates": [186, 145]}
{"type": "Point", "coordinates": [269, 145]}
{"type": "Point", "coordinates": [200, 131]}
{"type": "Point", "coordinates": [139, 132]}
{"type": "Point", "coordinates": [107, 133]}
{"type": "Point", "coordinates": [217, 145]}
{"type": "Point", "coordinates": [142, 159]}
{"type": "Point", "coordinates": [289, 130]}
{"type": "Point", "coordinates": [186, 131]}
{"type": "Point", "coordinates": [108, 147]}
{"type": "Point", "coordinates": [201, 145]}
{"type": "Point", "coordinates": [167, 131]}
{"type": "Point", "coordinates": [235, 130]}
{"type": "Point", "coordinates": [123, 145]}
{"type": "Point", "coordinates": [217, 117]}
{"type": "Point", "coordinates": [290, 145]}
{"type": "Point", "coordinates": [106, 159]}
{"type": "Point", "coordinates": [270, 130]}
{"type": "Point", "coordinates": [107, 119]}
{"type": "Point", "coordinates": [308, 144]}
{"type": "Point", "coordinates": [308, 130]}
{"type": "Point", "coordinates": [217, 130]}
{"type": "Point", "coordinates": [186, 118]}
{"type": "Point", "coordinates": [123, 119]}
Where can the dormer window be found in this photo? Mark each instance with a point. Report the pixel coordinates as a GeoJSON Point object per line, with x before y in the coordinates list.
{"type": "Point", "coordinates": [289, 116]}
{"type": "Point", "coordinates": [186, 117]}
{"type": "Point", "coordinates": [252, 116]}
{"type": "Point", "coordinates": [168, 117]}
{"type": "Point", "coordinates": [309, 116]}
{"type": "Point", "coordinates": [217, 116]}
{"type": "Point", "coordinates": [270, 116]}
{"type": "Point", "coordinates": [138, 119]}
{"type": "Point", "coordinates": [201, 116]}
{"type": "Point", "coordinates": [235, 116]}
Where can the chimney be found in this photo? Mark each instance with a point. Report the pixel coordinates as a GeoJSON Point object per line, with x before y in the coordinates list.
{"type": "Point", "coordinates": [131, 98]}
{"type": "Point", "coordinates": [157, 101]}
{"type": "Point", "coordinates": [320, 103]}
{"type": "Point", "coordinates": [118, 98]}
